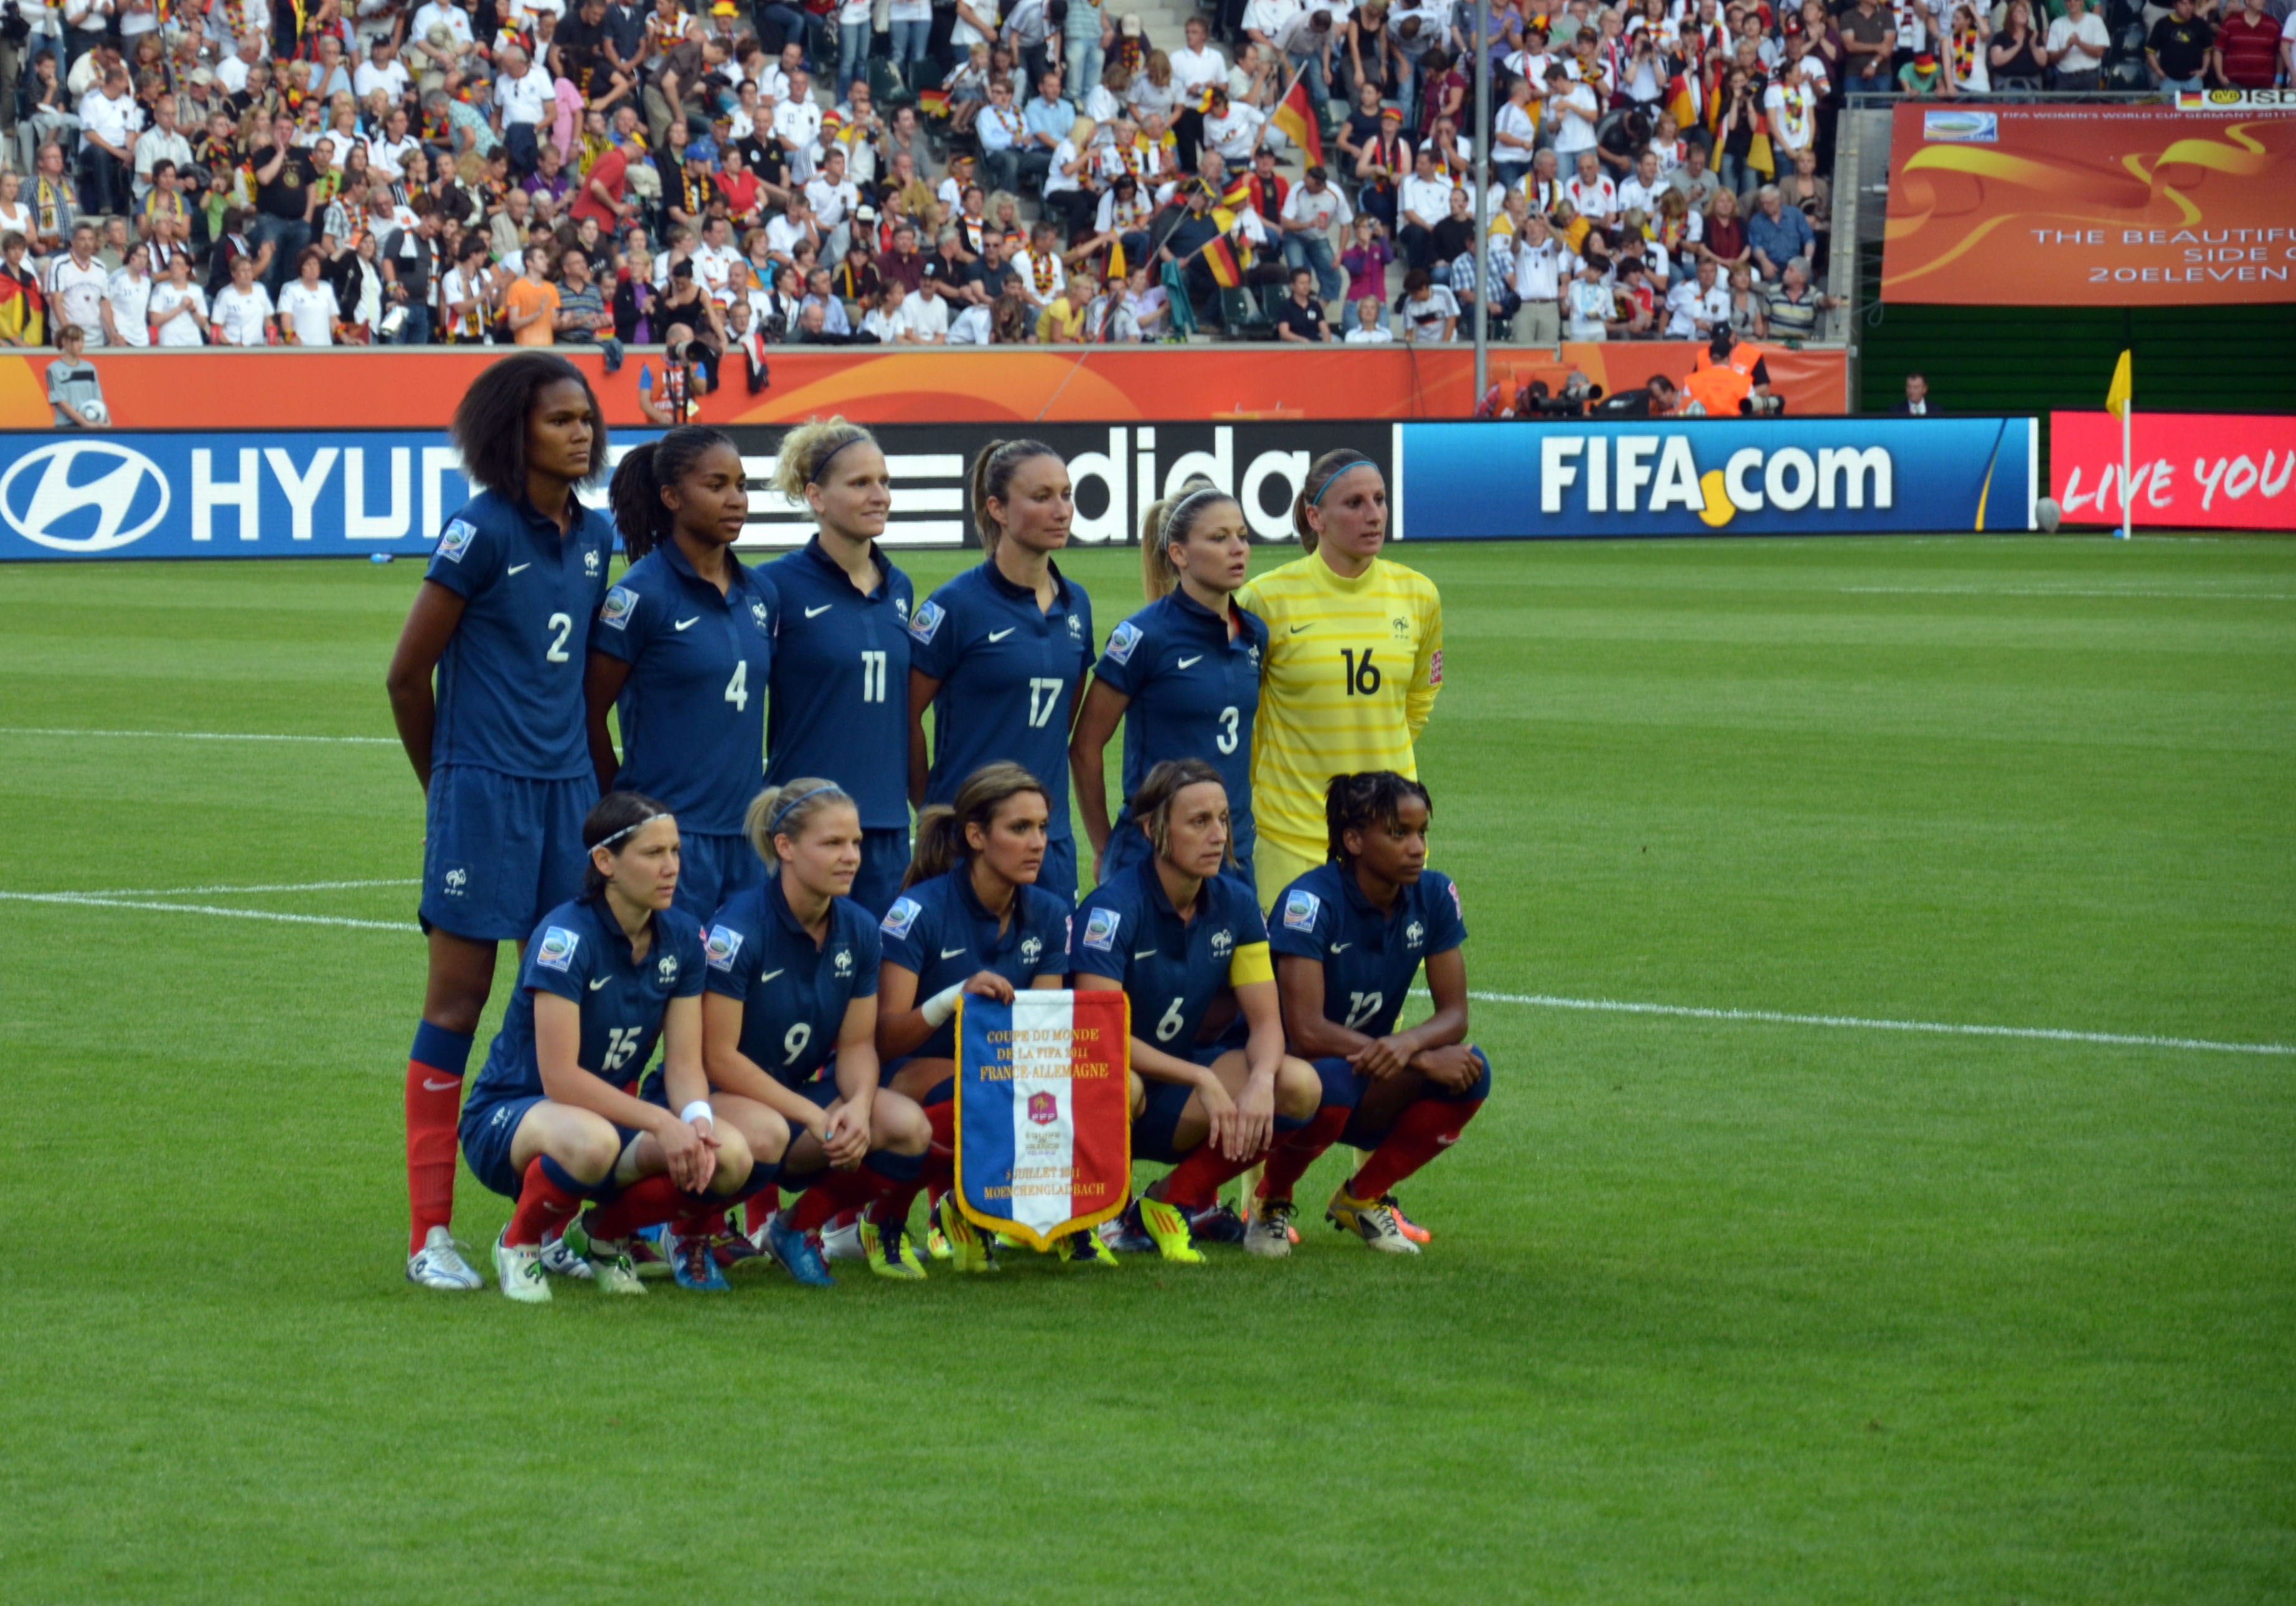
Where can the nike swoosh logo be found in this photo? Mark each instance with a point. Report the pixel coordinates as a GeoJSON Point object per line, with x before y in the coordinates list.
{"type": "Point", "coordinates": [999, 635]}
{"type": "Point", "coordinates": [1198, 658]}
{"type": "Point", "coordinates": [952, 953]}
{"type": "Point", "coordinates": [769, 976]}
{"type": "Point", "coordinates": [1342, 947]}
{"type": "Point", "coordinates": [682, 624]}
{"type": "Point", "coordinates": [824, 607]}
{"type": "Point", "coordinates": [599, 983]}
{"type": "Point", "coordinates": [441, 1086]}
{"type": "Point", "coordinates": [1146, 953]}
{"type": "Point", "coordinates": [518, 567]}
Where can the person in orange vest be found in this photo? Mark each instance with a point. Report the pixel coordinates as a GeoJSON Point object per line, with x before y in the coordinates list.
{"type": "Point", "coordinates": [1730, 378]}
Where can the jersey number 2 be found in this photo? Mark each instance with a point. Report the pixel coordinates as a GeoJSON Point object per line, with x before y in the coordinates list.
{"type": "Point", "coordinates": [564, 626]}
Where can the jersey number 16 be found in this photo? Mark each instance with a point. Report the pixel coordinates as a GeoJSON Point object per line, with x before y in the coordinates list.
{"type": "Point", "coordinates": [1361, 679]}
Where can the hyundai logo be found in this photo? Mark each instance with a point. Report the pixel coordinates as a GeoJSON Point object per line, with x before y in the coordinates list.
{"type": "Point", "coordinates": [83, 496]}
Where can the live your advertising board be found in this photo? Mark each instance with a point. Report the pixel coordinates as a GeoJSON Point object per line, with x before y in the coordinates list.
{"type": "Point", "coordinates": [1043, 1120]}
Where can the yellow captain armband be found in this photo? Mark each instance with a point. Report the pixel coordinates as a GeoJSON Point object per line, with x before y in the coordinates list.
{"type": "Point", "coordinates": [1250, 964]}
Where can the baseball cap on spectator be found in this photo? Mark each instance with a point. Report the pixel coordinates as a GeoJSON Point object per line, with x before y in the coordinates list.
{"type": "Point", "coordinates": [703, 150]}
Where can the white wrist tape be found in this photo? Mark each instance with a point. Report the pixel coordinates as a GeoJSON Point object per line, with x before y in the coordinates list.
{"type": "Point", "coordinates": [698, 1110]}
{"type": "Point", "coordinates": [941, 1005]}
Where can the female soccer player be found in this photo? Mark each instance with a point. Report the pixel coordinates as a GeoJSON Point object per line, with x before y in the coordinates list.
{"type": "Point", "coordinates": [1000, 652]}
{"type": "Point", "coordinates": [972, 919]}
{"type": "Point", "coordinates": [1348, 937]}
{"type": "Point", "coordinates": [1355, 660]}
{"type": "Point", "coordinates": [1183, 674]}
{"type": "Point", "coordinates": [842, 658]}
{"type": "Point", "coordinates": [685, 647]}
{"type": "Point", "coordinates": [788, 1029]}
{"type": "Point", "coordinates": [503, 617]}
{"type": "Point", "coordinates": [1181, 937]}
{"type": "Point", "coordinates": [556, 1119]}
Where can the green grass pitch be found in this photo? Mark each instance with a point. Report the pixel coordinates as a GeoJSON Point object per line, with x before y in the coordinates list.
{"type": "Point", "coordinates": [1717, 1309]}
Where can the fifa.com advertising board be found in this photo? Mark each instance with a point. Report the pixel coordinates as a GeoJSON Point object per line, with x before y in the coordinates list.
{"type": "Point", "coordinates": [169, 494]}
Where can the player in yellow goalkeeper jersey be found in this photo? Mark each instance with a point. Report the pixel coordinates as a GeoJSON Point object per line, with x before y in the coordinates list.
{"type": "Point", "coordinates": [1354, 658]}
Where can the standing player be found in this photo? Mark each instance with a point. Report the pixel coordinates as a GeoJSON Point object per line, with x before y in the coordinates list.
{"type": "Point", "coordinates": [1183, 674]}
{"type": "Point", "coordinates": [1348, 937]}
{"type": "Point", "coordinates": [1355, 660]}
{"type": "Point", "coordinates": [789, 1028]}
{"type": "Point", "coordinates": [841, 660]}
{"type": "Point", "coordinates": [1000, 652]}
{"type": "Point", "coordinates": [1180, 936]}
{"type": "Point", "coordinates": [504, 617]}
{"type": "Point", "coordinates": [970, 919]}
{"type": "Point", "coordinates": [685, 647]}
{"type": "Point", "coordinates": [554, 1118]}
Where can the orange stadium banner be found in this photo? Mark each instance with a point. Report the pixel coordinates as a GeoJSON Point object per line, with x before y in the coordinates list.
{"type": "Point", "coordinates": [288, 390]}
{"type": "Point", "coordinates": [2078, 205]}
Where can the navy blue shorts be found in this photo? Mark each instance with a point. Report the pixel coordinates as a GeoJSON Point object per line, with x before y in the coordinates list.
{"type": "Point", "coordinates": [884, 861]}
{"type": "Point", "coordinates": [1344, 1085]}
{"type": "Point", "coordinates": [487, 1131]}
{"type": "Point", "coordinates": [500, 851]}
{"type": "Point", "coordinates": [1159, 1119]}
{"type": "Point", "coordinates": [1059, 874]}
{"type": "Point", "coordinates": [711, 869]}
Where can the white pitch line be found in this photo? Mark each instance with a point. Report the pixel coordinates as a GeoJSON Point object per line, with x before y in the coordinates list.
{"type": "Point", "coordinates": [79, 900]}
{"type": "Point", "coordinates": [2179, 596]}
{"type": "Point", "coordinates": [28, 730]}
{"type": "Point", "coordinates": [1945, 1029]}
{"type": "Point", "coordinates": [270, 886]}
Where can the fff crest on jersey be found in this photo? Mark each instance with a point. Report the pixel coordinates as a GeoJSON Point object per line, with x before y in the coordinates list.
{"type": "Point", "coordinates": [843, 962]}
{"type": "Point", "coordinates": [454, 880]}
{"type": "Point", "coordinates": [666, 968]}
{"type": "Point", "coordinates": [1223, 943]}
{"type": "Point", "coordinates": [758, 615]}
{"type": "Point", "coordinates": [1413, 934]}
{"type": "Point", "coordinates": [1031, 948]}
{"type": "Point", "coordinates": [590, 563]}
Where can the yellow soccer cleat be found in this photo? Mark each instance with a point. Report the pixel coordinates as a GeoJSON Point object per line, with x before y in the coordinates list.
{"type": "Point", "coordinates": [890, 1253]}
{"type": "Point", "coordinates": [1167, 1226]}
{"type": "Point", "coordinates": [968, 1249]}
{"type": "Point", "coordinates": [1371, 1221]}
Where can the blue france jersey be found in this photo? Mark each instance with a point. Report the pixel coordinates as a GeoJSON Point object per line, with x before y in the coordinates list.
{"type": "Point", "coordinates": [939, 929]}
{"type": "Point", "coordinates": [694, 709]}
{"type": "Point", "coordinates": [1368, 957]}
{"type": "Point", "coordinates": [793, 995]}
{"type": "Point", "coordinates": [578, 952]}
{"type": "Point", "coordinates": [509, 683]}
{"type": "Point", "coordinates": [1194, 693]}
{"type": "Point", "coordinates": [1009, 676]}
{"type": "Point", "coordinates": [1173, 970]}
{"type": "Point", "coordinates": [841, 682]}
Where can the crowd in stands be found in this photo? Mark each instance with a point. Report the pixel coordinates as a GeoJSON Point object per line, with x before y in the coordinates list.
{"type": "Point", "coordinates": [936, 172]}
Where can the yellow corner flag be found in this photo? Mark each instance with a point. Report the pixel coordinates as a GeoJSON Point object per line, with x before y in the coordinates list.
{"type": "Point", "coordinates": [2116, 399]}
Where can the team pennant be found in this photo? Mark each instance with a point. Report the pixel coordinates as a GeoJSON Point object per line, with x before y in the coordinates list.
{"type": "Point", "coordinates": [1043, 1120]}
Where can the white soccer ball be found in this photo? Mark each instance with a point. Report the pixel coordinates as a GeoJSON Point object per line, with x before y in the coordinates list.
{"type": "Point", "coordinates": [96, 412]}
{"type": "Point", "coordinates": [2049, 514]}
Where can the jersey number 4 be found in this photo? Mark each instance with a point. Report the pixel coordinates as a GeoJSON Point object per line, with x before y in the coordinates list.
{"type": "Point", "coordinates": [737, 690]}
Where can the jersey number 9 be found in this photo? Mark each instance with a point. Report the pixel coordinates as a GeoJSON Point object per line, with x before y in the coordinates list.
{"type": "Point", "coordinates": [793, 1044]}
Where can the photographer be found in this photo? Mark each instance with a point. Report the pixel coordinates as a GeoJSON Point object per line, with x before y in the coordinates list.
{"type": "Point", "coordinates": [1660, 398]}
{"type": "Point", "coordinates": [1731, 379]}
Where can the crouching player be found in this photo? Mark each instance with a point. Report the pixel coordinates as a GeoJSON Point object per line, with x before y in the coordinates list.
{"type": "Point", "coordinates": [552, 1120]}
{"type": "Point", "coordinates": [1180, 938]}
{"type": "Point", "coordinates": [789, 1030]}
{"type": "Point", "coordinates": [970, 919]}
{"type": "Point", "coordinates": [1348, 937]}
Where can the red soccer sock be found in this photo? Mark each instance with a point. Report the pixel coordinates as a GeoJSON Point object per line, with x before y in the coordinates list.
{"type": "Point", "coordinates": [1194, 1184]}
{"type": "Point", "coordinates": [434, 1103]}
{"type": "Point", "coordinates": [542, 1205]}
{"type": "Point", "coordinates": [1421, 1132]}
{"type": "Point", "coordinates": [933, 1177]}
{"type": "Point", "coordinates": [647, 1203]}
{"type": "Point", "coordinates": [1294, 1152]}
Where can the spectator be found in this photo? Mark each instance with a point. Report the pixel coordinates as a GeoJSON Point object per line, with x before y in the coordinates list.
{"type": "Point", "coordinates": [1724, 241]}
{"type": "Point", "coordinates": [2249, 44]}
{"type": "Point", "coordinates": [1589, 307]}
{"type": "Point", "coordinates": [1922, 79]}
{"type": "Point", "coordinates": [1698, 305]}
{"type": "Point", "coordinates": [927, 312]}
{"type": "Point", "coordinates": [75, 393]}
{"type": "Point", "coordinates": [1370, 324]}
{"type": "Point", "coordinates": [1001, 131]}
{"type": "Point", "coordinates": [2078, 42]}
{"type": "Point", "coordinates": [1429, 312]}
{"type": "Point", "coordinates": [1777, 234]}
{"type": "Point", "coordinates": [243, 311]}
{"type": "Point", "coordinates": [179, 308]}
{"type": "Point", "coordinates": [307, 308]}
{"type": "Point", "coordinates": [127, 300]}
{"type": "Point", "coordinates": [1592, 192]}
{"type": "Point", "coordinates": [1869, 39]}
{"type": "Point", "coordinates": [582, 317]}
{"type": "Point", "coordinates": [1793, 310]}
{"type": "Point", "coordinates": [76, 284]}
{"type": "Point", "coordinates": [2017, 56]}
{"type": "Point", "coordinates": [109, 119]}
{"type": "Point", "coordinates": [286, 196]}
{"type": "Point", "coordinates": [409, 260]}
{"type": "Point", "coordinates": [1423, 202]}
{"type": "Point", "coordinates": [1571, 111]}
{"type": "Point", "coordinates": [466, 302]}
{"type": "Point", "coordinates": [1311, 214]}
{"type": "Point", "coordinates": [530, 304]}
{"type": "Point", "coordinates": [1365, 263]}
{"type": "Point", "coordinates": [2179, 49]}
{"type": "Point", "coordinates": [1300, 318]}
{"type": "Point", "coordinates": [1539, 263]}
{"type": "Point", "coordinates": [1061, 322]}
{"type": "Point", "coordinates": [1916, 404]}
{"type": "Point", "coordinates": [1750, 318]}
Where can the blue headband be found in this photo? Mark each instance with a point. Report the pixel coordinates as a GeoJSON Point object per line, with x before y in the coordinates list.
{"type": "Point", "coordinates": [830, 456]}
{"type": "Point", "coordinates": [782, 809]}
{"type": "Point", "coordinates": [1361, 463]}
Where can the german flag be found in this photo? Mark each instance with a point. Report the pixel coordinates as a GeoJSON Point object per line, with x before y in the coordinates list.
{"type": "Point", "coordinates": [1116, 268]}
{"type": "Point", "coordinates": [933, 103]}
{"type": "Point", "coordinates": [1220, 257]}
{"type": "Point", "coordinates": [1295, 114]}
{"type": "Point", "coordinates": [22, 309]}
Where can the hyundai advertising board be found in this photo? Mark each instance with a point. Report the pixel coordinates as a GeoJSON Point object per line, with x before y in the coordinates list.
{"type": "Point", "coordinates": [1700, 477]}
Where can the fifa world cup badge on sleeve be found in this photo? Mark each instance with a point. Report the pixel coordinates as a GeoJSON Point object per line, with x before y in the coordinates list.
{"type": "Point", "coordinates": [557, 950]}
{"type": "Point", "coordinates": [456, 541]}
{"type": "Point", "coordinates": [1100, 931]}
{"type": "Point", "coordinates": [927, 621]}
{"type": "Point", "coordinates": [1043, 1117]}
{"type": "Point", "coordinates": [621, 602]}
{"type": "Point", "coordinates": [900, 917]}
{"type": "Point", "coordinates": [1300, 907]}
{"type": "Point", "coordinates": [1120, 643]}
{"type": "Point", "coordinates": [724, 942]}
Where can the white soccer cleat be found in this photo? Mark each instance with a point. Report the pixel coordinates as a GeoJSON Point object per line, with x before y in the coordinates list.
{"type": "Point", "coordinates": [843, 1243]}
{"type": "Point", "coordinates": [561, 1259]}
{"type": "Point", "coordinates": [1371, 1221]}
{"type": "Point", "coordinates": [1268, 1232]}
{"type": "Point", "coordinates": [518, 1267]}
{"type": "Point", "coordinates": [608, 1264]}
{"type": "Point", "coordinates": [440, 1263]}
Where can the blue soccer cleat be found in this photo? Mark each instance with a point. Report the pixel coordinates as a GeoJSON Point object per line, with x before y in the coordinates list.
{"type": "Point", "coordinates": [799, 1255]}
